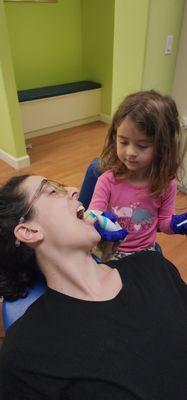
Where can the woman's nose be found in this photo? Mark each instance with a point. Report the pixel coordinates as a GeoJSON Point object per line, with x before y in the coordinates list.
{"type": "Point", "coordinates": [73, 192]}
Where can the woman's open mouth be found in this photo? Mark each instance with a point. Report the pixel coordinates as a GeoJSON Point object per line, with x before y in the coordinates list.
{"type": "Point", "coordinates": [80, 212]}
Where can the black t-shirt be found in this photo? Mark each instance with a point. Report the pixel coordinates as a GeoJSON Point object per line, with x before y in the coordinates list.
{"type": "Point", "coordinates": [133, 347]}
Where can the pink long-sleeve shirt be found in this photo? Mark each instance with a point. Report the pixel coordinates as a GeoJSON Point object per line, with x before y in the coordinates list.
{"type": "Point", "coordinates": [141, 214]}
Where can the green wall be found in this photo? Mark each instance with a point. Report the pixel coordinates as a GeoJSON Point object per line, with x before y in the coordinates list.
{"type": "Point", "coordinates": [130, 30]}
{"type": "Point", "coordinates": [46, 42]}
{"type": "Point", "coordinates": [165, 18]}
{"type": "Point", "coordinates": [11, 132]}
{"type": "Point", "coordinates": [97, 34]}
{"type": "Point", "coordinates": [119, 43]}
{"type": "Point", "coordinates": [59, 42]}
{"type": "Point", "coordinates": [123, 45]}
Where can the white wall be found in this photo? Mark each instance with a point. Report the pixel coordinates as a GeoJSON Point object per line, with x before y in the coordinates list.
{"type": "Point", "coordinates": [179, 91]}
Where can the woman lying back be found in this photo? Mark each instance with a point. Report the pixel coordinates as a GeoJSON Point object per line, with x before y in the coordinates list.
{"type": "Point", "coordinates": [115, 331]}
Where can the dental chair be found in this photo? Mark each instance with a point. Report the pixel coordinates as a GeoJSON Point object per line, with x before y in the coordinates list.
{"type": "Point", "coordinates": [12, 310]}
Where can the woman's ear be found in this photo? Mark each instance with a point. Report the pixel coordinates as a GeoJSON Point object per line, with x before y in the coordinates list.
{"type": "Point", "coordinates": [27, 233]}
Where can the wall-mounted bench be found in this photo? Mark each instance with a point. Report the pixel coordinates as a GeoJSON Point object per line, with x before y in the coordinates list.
{"type": "Point", "coordinates": [52, 108]}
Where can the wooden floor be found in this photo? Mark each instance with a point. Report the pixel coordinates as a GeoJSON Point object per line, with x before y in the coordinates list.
{"type": "Point", "coordinates": [64, 156]}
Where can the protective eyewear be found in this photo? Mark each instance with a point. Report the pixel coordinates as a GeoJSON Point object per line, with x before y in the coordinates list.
{"type": "Point", "coordinates": [58, 187]}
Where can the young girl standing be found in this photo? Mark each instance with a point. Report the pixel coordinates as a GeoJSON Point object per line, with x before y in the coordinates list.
{"type": "Point", "coordinates": [139, 162]}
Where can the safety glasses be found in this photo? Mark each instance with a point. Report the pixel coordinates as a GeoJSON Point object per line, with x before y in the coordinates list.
{"type": "Point", "coordinates": [58, 187]}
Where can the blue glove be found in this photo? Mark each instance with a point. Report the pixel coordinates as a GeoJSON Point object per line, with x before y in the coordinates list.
{"type": "Point", "coordinates": [179, 224]}
{"type": "Point", "coordinates": [112, 236]}
{"type": "Point", "coordinates": [110, 216]}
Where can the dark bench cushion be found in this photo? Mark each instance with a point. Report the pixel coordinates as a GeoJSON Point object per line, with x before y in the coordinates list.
{"type": "Point", "coordinates": [57, 90]}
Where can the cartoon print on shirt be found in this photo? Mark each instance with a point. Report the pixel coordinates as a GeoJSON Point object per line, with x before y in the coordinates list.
{"type": "Point", "coordinates": [134, 218]}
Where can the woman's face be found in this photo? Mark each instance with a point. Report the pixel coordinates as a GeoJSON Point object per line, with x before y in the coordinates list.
{"type": "Point", "coordinates": [58, 216]}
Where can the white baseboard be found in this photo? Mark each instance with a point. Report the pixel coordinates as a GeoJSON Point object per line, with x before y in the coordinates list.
{"type": "Point", "coordinates": [15, 162]}
{"type": "Point", "coordinates": [182, 183]}
{"type": "Point", "coordinates": [182, 188]}
{"type": "Point", "coordinates": [106, 118]}
{"type": "Point", "coordinates": [56, 128]}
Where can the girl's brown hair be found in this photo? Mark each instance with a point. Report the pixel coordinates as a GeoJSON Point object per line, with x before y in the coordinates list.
{"type": "Point", "coordinates": [157, 116]}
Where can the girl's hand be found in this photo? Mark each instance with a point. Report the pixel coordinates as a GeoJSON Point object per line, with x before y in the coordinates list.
{"type": "Point", "coordinates": [109, 229]}
{"type": "Point", "coordinates": [179, 224]}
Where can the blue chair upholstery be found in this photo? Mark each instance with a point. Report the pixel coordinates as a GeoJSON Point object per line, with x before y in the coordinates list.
{"type": "Point", "coordinates": [87, 189]}
{"type": "Point", "coordinates": [12, 310]}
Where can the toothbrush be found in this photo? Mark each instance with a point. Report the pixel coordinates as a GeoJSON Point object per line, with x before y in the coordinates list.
{"type": "Point", "coordinates": [104, 222]}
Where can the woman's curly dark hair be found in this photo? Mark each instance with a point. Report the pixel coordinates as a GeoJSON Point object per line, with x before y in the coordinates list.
{"type": "Point", "coordinates": [18, 266]}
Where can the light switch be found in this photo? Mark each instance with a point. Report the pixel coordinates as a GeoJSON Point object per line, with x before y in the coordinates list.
{"type": "Point", "coordinates": [169, 44]}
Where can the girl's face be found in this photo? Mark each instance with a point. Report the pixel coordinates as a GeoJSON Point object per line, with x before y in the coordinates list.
{"type": "Point", "coordinates": [58, 216]}
{"type": "Point", "coordinates": [134, 148]}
